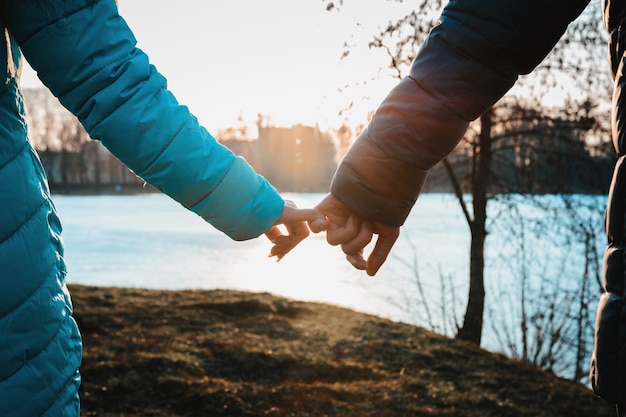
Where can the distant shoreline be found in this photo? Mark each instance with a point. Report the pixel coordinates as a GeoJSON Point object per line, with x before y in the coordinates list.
{"type": "Point", "coordinates": [108, 189]}
{"type": "Point", "coordinates": [130, 189]}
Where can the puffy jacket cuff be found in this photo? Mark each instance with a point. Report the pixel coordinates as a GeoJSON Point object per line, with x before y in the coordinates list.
{"type": "Point", "coordinates": [248, 214]}
{"type": "Point", "coordinates": [376, 186]}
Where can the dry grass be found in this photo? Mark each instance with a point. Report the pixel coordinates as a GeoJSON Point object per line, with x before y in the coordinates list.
{"type": "Point", "coordinates": [226, 353]}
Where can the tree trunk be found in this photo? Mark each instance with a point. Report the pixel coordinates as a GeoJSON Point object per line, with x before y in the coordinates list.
{"type": "Point", "coordinates": [471, 330]}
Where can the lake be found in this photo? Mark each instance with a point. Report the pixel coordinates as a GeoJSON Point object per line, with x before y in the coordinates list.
{"type": "Point", "coordinates": [150, 241]}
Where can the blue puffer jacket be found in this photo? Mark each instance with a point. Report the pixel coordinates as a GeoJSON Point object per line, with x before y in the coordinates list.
{"type": "Point", "coordinates": [85, 54]}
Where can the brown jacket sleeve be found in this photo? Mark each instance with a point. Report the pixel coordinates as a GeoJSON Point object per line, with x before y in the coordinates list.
{"type": "Point", "coordinates": [469, 61]}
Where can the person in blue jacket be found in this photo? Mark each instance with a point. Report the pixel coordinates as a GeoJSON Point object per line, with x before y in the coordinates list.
{"type": "Point", "coordinates": [469, 60]}
{"type": "Point", "coordinates": [86, 55]}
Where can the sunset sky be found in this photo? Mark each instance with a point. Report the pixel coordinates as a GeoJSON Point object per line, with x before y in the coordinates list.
{"type": "Point", "coordinates": [279, 58]}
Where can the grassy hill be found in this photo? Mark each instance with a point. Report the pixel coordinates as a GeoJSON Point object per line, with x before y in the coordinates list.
{"type": "Point", "coordinates": [228, 353]}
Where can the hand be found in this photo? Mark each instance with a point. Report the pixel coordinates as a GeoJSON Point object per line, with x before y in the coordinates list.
{"type": "Point", "coordinates": [346, 228]}
{"type": "Point", "coordinates": [294, 220]}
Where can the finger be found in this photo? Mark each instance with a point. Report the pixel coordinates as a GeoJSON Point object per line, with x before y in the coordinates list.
{"type": "Point", "coordinates": [293, 214]}
{"type": "Point", "coordinates": [357, 261]}
{"type": "Point", "coordinates": [315, 218]}
{"type": "Point", "coordinates": [337, 234]}
{"type": "Point", "coordinates": [273, 233]}
{"type": "Point", "coordinates": [360, 241]}
{"type": "Point", "coordinates": [334, 210]}
{"type": "Point", "coordinates": [280, 249]}
{"type": "Point", "coordinates": [377, 258]}
{"type": "Point", "coordinates": [297, 232]}
{"type": "Point", "coordinates": [279, 252]}
{"type": "Point", "coordinates": [287, 241]}
{"type": "Point", "coordinates": [283, 240]}
{"type": "Point", "coordinates": [312, 215]}
{"type": "Point", "coordinates": [318, 225]}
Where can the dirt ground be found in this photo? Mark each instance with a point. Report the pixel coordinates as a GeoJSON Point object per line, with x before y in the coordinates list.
{"type": "Point", "coordinates": [227, 353]}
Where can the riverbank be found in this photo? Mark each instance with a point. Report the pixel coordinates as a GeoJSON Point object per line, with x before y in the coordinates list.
{"type": "Point", "coordinates": [226, 353]}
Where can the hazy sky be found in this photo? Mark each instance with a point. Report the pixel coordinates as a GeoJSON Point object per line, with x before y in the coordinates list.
{"type": "Point", "coordinates": [279, 58]}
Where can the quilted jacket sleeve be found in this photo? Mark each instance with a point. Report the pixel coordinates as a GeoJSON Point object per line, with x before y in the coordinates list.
{"type": "Point", "coordinates": [607, 371]}
{"type": "Point", "coordinates": [468, 62]}
{"type": "Point", "coordinates": [85, 53]}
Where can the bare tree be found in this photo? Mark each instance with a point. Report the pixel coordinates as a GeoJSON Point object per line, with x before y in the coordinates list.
{"type": "Point", "coordinates": [544, 242]}
{"type": "Point", "coordinates": [69, 156]}
{"type": "Point", "coordinates": [571, 67]}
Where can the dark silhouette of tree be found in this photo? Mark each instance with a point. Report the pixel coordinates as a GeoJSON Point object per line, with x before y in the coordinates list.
{"type": "Point", "coordinates": [71, 159]}
{"type": "Point", "coordinates": [520, 145]}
